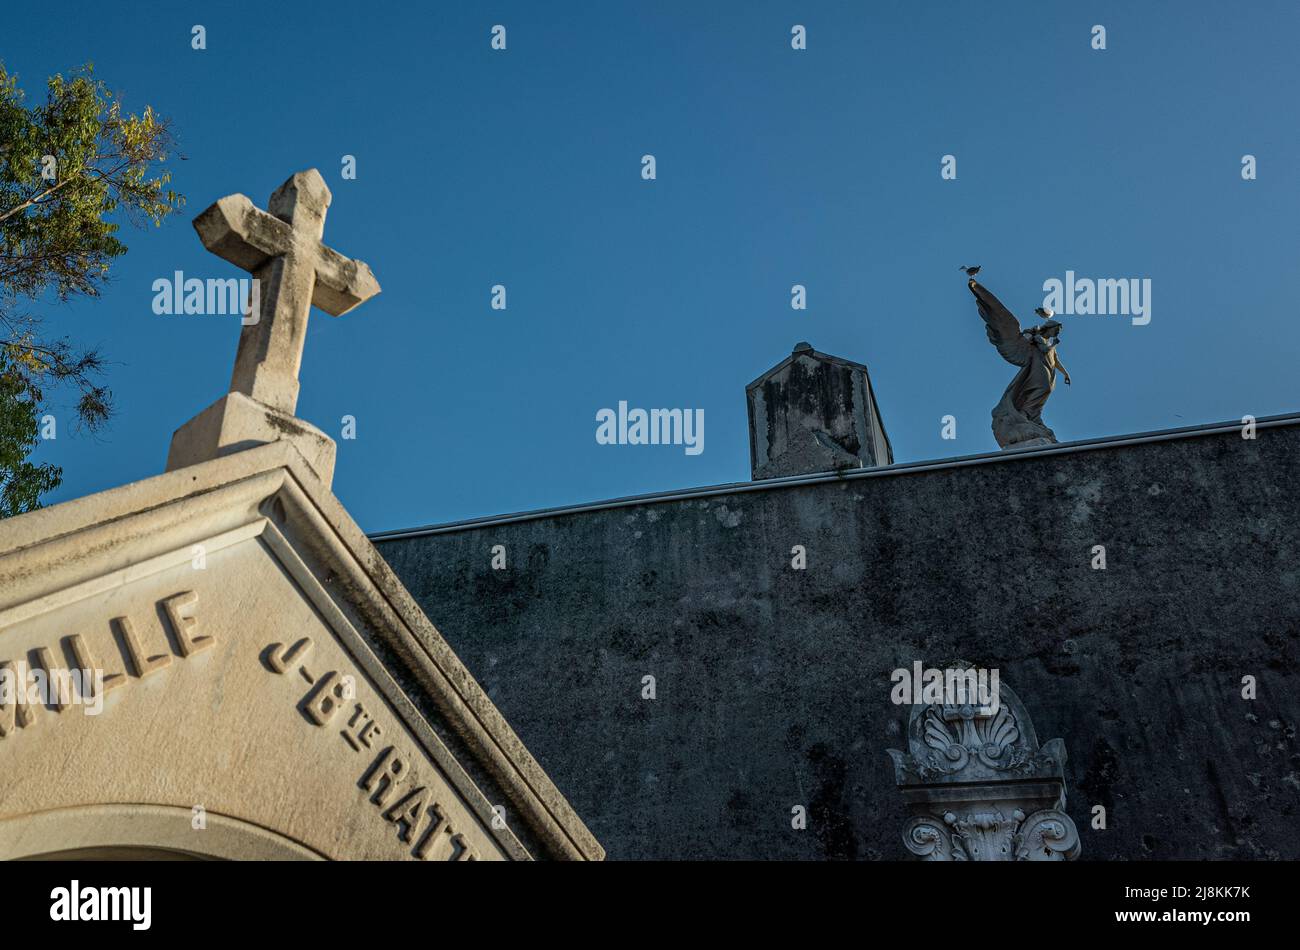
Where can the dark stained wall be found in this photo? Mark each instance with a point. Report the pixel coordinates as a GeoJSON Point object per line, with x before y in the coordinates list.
{"type": "Point", "coordinates": [773, 684]}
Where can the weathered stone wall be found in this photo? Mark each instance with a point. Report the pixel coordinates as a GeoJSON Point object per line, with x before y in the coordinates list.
{"type": "Point", "coordinates": [773, 684]}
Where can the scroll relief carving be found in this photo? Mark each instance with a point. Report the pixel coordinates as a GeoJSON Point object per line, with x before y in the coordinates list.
{"type": "Point", "coordinates": [981, 788]}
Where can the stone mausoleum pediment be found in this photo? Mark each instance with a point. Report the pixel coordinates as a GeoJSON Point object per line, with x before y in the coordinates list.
{"type": "Point", "coordinates": [266, 689]}
{"type": "Point", "coordinates": [216, 662]}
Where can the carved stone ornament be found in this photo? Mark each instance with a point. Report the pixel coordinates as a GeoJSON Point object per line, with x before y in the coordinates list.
{"type": "Point", "coordinates": [981, 788]}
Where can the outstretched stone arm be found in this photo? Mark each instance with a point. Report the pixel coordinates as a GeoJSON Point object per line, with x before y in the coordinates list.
{"type": "Point", "coordinates": [1061, 366]}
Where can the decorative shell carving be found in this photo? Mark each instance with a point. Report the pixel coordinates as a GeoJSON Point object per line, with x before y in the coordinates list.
{"type": "Point", "coordinates": [982, 787]}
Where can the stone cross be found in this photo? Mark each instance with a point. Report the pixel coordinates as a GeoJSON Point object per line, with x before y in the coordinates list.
{"type": "Point", "coordinates": [282, 249]}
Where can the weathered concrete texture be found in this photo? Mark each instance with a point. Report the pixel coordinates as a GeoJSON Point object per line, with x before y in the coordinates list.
{"type": "Point", "coordinates": [813, 412]}
{"type": "Point", "coordinates": [773, 684]}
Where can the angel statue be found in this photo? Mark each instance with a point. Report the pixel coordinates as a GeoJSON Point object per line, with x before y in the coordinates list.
{"type": "Point", "coordinates": [1017, 419]}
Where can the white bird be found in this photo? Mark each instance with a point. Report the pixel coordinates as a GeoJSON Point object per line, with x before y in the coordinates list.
{"type": "Point", "coordinates": [1045, 312]}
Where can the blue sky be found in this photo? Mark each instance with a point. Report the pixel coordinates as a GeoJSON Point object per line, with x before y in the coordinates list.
{"type": "Point", "coordinates": [775, 167]}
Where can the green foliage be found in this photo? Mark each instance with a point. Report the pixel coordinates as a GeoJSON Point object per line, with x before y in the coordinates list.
{"type": "Point", "coordinates": [56, 234]}
{"type": "Point", "coordinates": [69, 168]}
{"type": "Point", "coordinates": [21, 482]}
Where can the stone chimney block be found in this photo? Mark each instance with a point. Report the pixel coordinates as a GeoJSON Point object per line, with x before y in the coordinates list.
{"type": "Point", "coordinates": [814, 413]}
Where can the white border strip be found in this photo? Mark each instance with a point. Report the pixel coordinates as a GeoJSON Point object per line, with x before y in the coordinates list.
{"type": "Point", "coordinates": [126, 575]}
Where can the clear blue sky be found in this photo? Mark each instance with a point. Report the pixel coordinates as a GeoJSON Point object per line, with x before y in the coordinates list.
{"type": "Point", "coordinates": [775, 167]}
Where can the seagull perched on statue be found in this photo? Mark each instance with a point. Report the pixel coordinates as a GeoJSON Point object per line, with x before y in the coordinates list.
{"type": "Point", "coordinates": [1045, 312]}
{"type": "Point", "coordinates": [970, 271]}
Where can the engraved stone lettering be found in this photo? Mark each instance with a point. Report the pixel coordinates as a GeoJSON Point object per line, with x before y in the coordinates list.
{"type": "Point", "coordinates": [60, 679]}
{"type": "Point", "coordinates": [434, 835]}
{"type": "Point", "coordinates": [282, 659]}
{"type": "Point", "coordinates": [184, 626]}
{"type": "Point", "coordinates": [326, 698]}
{"type": "Point", "coordinates": [144, 666]}
{"type": "Point", "coordinates": [84, 659]}
{"type": "Point", "coordinates": [15, 713]}
{"type": "Point", "coordinates": [408, 812]}
{"type": "Point", "coordinates": [389, 769]}
{"type": "Point", "coordinates": [361, 729]}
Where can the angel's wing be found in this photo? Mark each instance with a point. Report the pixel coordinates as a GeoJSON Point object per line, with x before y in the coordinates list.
{"type": "Point", "coordinates": [1002, 326]}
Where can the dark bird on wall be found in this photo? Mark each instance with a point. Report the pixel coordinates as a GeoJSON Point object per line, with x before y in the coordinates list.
{"type": "Point", "coordinates": [970, 271]}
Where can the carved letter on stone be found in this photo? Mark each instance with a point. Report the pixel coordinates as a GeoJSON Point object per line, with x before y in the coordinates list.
{"type": "Point", "coordinates": [184, 626]}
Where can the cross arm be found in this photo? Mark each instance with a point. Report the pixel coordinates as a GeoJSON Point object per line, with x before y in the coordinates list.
{"type": "Point", "coordinates": [341, 283]}
{"type": "Point", "coordinates": [236, 231]}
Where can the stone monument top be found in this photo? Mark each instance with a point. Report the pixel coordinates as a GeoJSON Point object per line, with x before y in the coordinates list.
{"type": "Point", "coordinates": [813, 412]}
{"type": "Point", "coordinates": [293, 271]}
